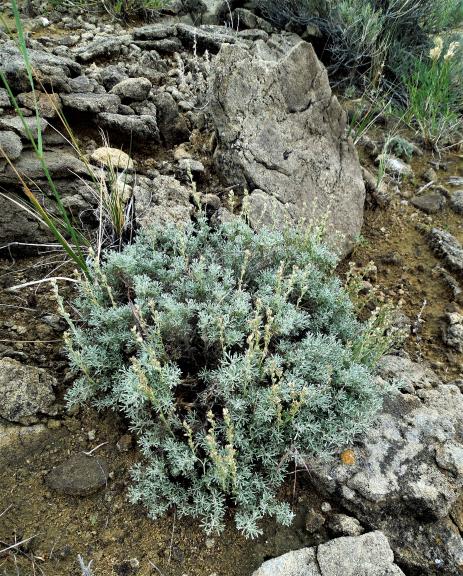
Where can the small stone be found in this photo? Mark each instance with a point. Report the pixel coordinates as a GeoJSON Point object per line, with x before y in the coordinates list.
{"type": "Point", "coordinates": [48, 104]}
{"type": "Point", "coordinates": [4, 98]}
{"type": "Point", "coordinates": [90, 102]}
{"type": "Point", "coordinates": [164, 46]}
{"type": "Point", "coordinates": [326, 507]}
{"type": "Point", "coordinates": [131, 89]}
{"type": "Point", "coordinates": [172, 125]}
{"type": "Point", "coordinates": [314, 521]}
{"type": "Point", "coordinates": [112, 75]}
{"type": "Point", "coordinates": [102, 47]}
{"type": "Point", "coordinates": [55, 321]}
{"type": "Point", "coordinates": [409, 375]}
{"type": "Point", "coordinates": [53, 424]}
{"type": "Point", "coordinates": [112, 158]}
{"type": "Point", "coordinates": [247, 19]}
{"type": "Point", "coordinates": [253, 35]}
{"type": "Point", "coordinates": [82, 84]}
{"type": "Point", "coordinates": [210, 543]}
{"type": "Point", "coordinates": [456, 181]}
{"type": "Point", "coordinates": [430, 175]}
{"type": "Point", "coordinates": [60, 164]}
{"type": "Point", "coordinates": [448, 247]}
{"type": "Point", "coordinates": [126, 110]}
{"type": "Point", "coordinates": [190, 165]}
{"type": "Point", "coordinates": [81, 475]}
{"type": "Point", "coordinates": [456, 201]}
{"type": "Point", "coordinates": [17, 125]}
{"type": "Point", "coordinates": [395, 166]}
{"type": "Point", "coordinates": [366, 555]}
{"type": "Point", "coordinates": [453, 331]}
{"type": "Point", "coordinates": [222, 216]}
{"type": "Point", "coordinates": [91, 435]}
{"type": "Point", "coordinates": [26, 392]}
{"type": "Point", "coordinates": [182, 152]}
{"type": "Point", "coordinates": [211, 201]}
{"type": "Point", "coordinates": [369, 554]}
{"type": "Point", "coordinates": [450, 457]}
{"type": "Point", "coordinates": [143, 127]}
{"type": "Point", "coordinates": [343, 525]}
{"type": "Point", "coordinates": [430, 202]}
{"type": "Point", "coordinates": [144, 108]}
{"type": "Point", "coordinates": [28, 439]}
{"type": "Point", "coordinates": [10, 144]}
{"type": "Point", "coordinates": [125, 443]}
{"type": "Point", "coordinates": [209, 38]}
{"type": "Point", "coordinates": [155, 32]}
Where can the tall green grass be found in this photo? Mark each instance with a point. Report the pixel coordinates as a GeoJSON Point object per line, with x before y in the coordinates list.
{"type": "Point", "coordinates": [61, 227]}
{"type": "Point", "coordinates": [115, 210]}
{"type": "Point", "coordinates": [435, 102]}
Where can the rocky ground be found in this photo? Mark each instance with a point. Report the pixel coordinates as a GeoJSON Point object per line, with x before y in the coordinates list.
{"type": "Point", "coordinates": [202, 112]}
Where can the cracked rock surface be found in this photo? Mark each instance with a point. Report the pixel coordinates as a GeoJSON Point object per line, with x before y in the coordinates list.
{"type": "Point", "coordinates": [367, 555]}
{"type": "Point", "coordinates": [26, 392]}
{"type": "Point", "coordinates": [407, 476]}
{"type": "Point", "coordinates": [281, 135]}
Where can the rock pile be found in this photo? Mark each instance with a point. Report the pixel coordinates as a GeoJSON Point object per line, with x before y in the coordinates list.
{"type": "Point", "coordinates": [170, 84]}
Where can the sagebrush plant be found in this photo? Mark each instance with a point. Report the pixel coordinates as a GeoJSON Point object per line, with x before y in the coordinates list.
{"type": "Point", "coordinates": [367, 39]}
{"type": "Point", "coordinates": [435, 98]}
{"type": "Point", "coordinates": [399, 146]}
{"type": "Point", "coordinates": [231, 353]}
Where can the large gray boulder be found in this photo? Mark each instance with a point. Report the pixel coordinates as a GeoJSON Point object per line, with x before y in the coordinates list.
{"type": "Point", "coordinates": [406, 475]}
{"type": "Point", "coordinates": [367, 555]}
{"type": "Point", "coordinates": [282, 135]}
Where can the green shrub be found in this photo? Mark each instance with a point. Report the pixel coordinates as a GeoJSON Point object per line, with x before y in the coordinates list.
{"type": "Point", "coordinates": [231, 354]}
{"type": "Point", "coordinates": [366, 38]}
{"type": "Point", "coordinates": [399, 147]}
{"type": "Point", "coordinates": [435, 102]}
{"type": "Point", "coordinates": [283, 12]}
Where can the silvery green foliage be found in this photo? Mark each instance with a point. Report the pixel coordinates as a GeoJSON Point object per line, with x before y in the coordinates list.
{"type": "Point", "coordinates": [231, 353]}
{"type": "Point", "coordinates": [86, 569]}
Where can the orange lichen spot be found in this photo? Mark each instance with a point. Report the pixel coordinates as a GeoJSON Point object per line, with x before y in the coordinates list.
{"type": "Point", "coordinates": [348, 457]}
